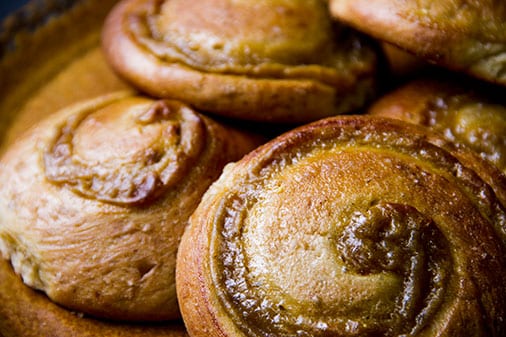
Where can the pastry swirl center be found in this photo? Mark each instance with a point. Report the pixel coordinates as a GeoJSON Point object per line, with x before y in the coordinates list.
{"type": "Point", "coordinates": [215, 34]}
{"type": "Point", "coordinates": [354, 263]}
{"type": "Point", "coordinates": [399, 239]}
{"type": "Point", "coordinates": [126, 152]}
{"type": "Point", "coordinates": [261, 39]}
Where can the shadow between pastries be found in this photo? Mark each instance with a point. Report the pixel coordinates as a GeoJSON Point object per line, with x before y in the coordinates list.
{"type": "Point", "coordinates": [96, 197]}
{"type": "Point", "coordinates": [273, 61]}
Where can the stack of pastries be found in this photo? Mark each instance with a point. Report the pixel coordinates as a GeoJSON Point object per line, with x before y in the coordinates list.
{"type": "Point", "coordinates": [267, 172]}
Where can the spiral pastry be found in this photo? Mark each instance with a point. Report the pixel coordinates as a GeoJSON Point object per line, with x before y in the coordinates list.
{"type": "Point", "coordinates": [278, 61]}
{"type": "Point", "coordinates": [460, 113]}
{"type": "Point", "coordinates": [350, 226]}
{"type": "Point", "coordinates": [462, 35]}
{"type": "Point", "coordinates": [95, 198]}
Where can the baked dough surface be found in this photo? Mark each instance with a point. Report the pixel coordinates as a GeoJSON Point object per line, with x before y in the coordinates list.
{"type": "Point", "coordinates": [462, 35]}
{"type": "Point", "coordinates": [463, 113]}
{"type": "Point", "coordinates": [97, 195]}
{"type": "Point", "coordinates": [349, 226]}
{"type": "Point", "coordinates": [270, 61]}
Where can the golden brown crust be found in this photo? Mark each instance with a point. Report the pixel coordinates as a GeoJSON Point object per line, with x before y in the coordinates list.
{"type": "Point", "coordinates": [282, 64]}
{"type": "Point", "coordinates": [348, 226]}
{"type": "Point", "coordinates": [25, 312]}
{"type": "Point", "coordinates": [457, 110]}
{"type": "Point", "coordinates": [468, 36]}
{"type": "Point", "coordinates": [97, 196]}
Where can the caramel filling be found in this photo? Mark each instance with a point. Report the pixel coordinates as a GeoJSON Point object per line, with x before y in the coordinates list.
{"type": "Point", "coordinates": [154, 145]}
{"type": "Point", "coordinates": [357, 234]}
{"type": "Point", "coordinates": [281, 39]}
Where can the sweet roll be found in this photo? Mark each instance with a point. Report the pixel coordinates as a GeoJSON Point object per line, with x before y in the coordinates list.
{"type": "Point", "coordinates": [95, 198]}
{"type": "Point", "coordinates": [275, 61]}
{"type": "Point", "coordinates": [349, 226]}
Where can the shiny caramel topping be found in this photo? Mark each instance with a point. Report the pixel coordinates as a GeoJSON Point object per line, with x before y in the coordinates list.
{"type": "Point", "coordinates": [245, 32]}
{"type": "Point", "coordinates": [126, 151]}
{"type": "Point", "coordinates": [398, 238]}
{"type": "Point", "coordinates": [480, 125]}
{"type": "Point", "coordinates": [353, 229]}
{"type": "Point", "coordinates": [258, 38]}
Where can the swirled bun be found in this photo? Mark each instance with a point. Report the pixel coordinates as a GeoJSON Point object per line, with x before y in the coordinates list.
{"type": "Point", "coordinates": [456, 109]}
{"type": "Point", "coordinates": [465, 36]}
{"type": "Point", "coordinates": [276, 61]}
{"type": "Point", "coordinates": [95, 198]}
{"type": "Point", "coordinates": [349, 226]}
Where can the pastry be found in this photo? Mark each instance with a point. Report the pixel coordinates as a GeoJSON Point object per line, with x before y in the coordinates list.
{"type": "Point", "coordinates": [28, 313]}
{"type": "Point", "coordinates": [349, 226]}
{"type": "Point", "coordinates": [95, 198]}
{"type": "Point", "coordinates": [457, 110]}
{"type": "Point", "coordinates": [275, 61]}
{"type": "Point", "coordinates": [462, 35]}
